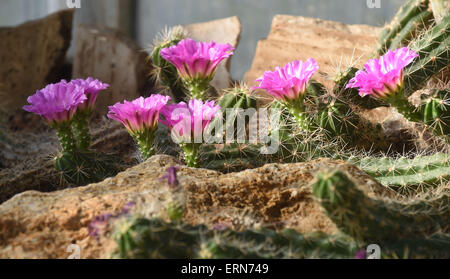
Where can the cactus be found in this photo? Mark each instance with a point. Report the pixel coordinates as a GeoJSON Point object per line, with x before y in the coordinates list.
{"type": "Point", "coordinates": [286, 244]}
{"type": "Point", "coordinates": [85, 167]}
{"type": "Point", "coordinates": [436, 113]}
{"type": "Point", "coordinates": [434, 50]}
{"type": "Point", "coordinates": [440, 9]}
{"type": "Point", "coordinates": [80, 125]}
{"type": "Point", "coordinates": [371, 220]}
{"type": "Point", "coordinates": [164, 72]}
{"type": "Point", "coordinates": [238, 99]}
{"type": "Point", "coordinates": [405, 172]}
{"type": "Point", "coordinates": [411, 29]}
{"type": "Point", "coordinates": [156, 239]}
{"type": "Point", "coordinates": [144, 238]}
{"type": "Point", "coordinates": [409, 12]}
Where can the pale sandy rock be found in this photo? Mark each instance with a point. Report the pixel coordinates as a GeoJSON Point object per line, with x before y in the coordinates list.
{"type": "Point", "coordinates": [110, 56]}
{"type": "Point", "coordinates": [42, 225]}
{"type": "Point", "coordinates": [227, 30]}
{"type": "Point", "coordinates": [32, 55]}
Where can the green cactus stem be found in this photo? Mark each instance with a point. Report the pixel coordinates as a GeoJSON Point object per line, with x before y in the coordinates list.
{"type": "Point", "coordinates": [191, 154]}
{"type": "Point", "coordinates": [198, 88]}
{"type": "Point", "coordinates": [140, 238]}
{"type": "Point", "coordinates": [409, 11]}
{"type": "Point", "coordinates": [436, 113]}
{"type": "Point", "coordinates": [370, 220]}
{"type": "Point", "coordinates": [164, 72]}
{"type": "Point", "coordinates": [405, 172]}
{"type": "Point", "coordinates": [434, 51]}
{"type": "Point", "coordinates": [80, 126]}
{"type": "Point", "coordinates": [145, 141]}
{"type": "Point", "coordinates": [403, 106]}
{"type": "Point", "coordinates": [84, 167]}
{"type": "Point", "coordinates": [66, 138]}
{"type": "Point", "coordinates": [411, 29]}
{"type": "Point", "coordinates": [153, 238]}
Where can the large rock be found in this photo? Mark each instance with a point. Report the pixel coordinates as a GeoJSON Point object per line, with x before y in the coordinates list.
{"type": "Point", "coordinates": [43, 225]}
{"type": "Point", "coordinates": [31, 56]}
{"type": "Point", "coordinates": [227, 30]}
{"type": "Point", "coordinates": [330, 43]}
{"type": "Point", "coordinates": [112, 57]}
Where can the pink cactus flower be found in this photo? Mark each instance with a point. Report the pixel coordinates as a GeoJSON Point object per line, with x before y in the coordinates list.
{"type": "Point", "coordinates": [139, 115]}
{"type": "Point", "coordinates": [197, 60]}
{"type": "Point", "coordinates": [56, 103]}
{"type": "Point", "coordinates": [187, 120]}
{"type": "Point", "coordinates": [92, 88]}
{"type": "Point", "coordinates": [289, 83]}
{"type": "Point", "coordinates": [384, 76]}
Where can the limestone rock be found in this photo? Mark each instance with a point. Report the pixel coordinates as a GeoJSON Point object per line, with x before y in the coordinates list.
{"type": "Point", "coordinates": [42, 225]}
{"type": "Point", "coordinates": [330, 43]}
{"type": "Point", "coordinates": [227, 30]}
{"type": "Point", "coordinates": [110, 56]}
{"type": "Point", "coordinates": [31, 56]}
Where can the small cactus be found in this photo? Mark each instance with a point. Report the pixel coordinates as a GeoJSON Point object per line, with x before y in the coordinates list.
{"type": "Point", "coordinates": [85, 167]}
{"type": "Point", "coordinates": [163, 71]}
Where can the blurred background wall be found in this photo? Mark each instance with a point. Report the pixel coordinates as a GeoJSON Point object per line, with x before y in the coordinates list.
{"type": "Point", "coordinates": [143, 19]}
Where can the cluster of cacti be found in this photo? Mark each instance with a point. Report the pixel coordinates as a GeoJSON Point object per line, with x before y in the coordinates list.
{"type": "Point", "coordinates": [431, 45]}
{"type": "Point", "coordinates": [316, 122]}
{"type": "Point", "coordinates": [420, 228]}
{"type": "Point", "coordinates": [67, 107]}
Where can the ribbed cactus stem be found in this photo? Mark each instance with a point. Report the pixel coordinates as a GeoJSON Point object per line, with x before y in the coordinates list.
{"type": "Point", "coordinates": [298, 111]}
{"type": "Point", "coordinates": [66, 138]}
{"type": "Point", "coordinates": [372, 220]}
{"type": "Point", "coordinates": [145, 141]}
{"type": "Point", "coordinates": [198, 89]}
{"type": "Point", "coordinates": [440, 9]}
{"type": "Point", "coordinates": [81, 131]}
{"type": "Point", "coordinates": [191, 154]}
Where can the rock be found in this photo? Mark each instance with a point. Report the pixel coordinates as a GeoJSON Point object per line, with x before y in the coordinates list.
{"type": "Point", "coordinates": [43, 225]}
{"type": "Point", "coordinates": [227, 30]}
{"type": "Point", "coordinates": [330, 43]}
{"type": "Point", "coordinates": [110, 56]}
{"type": "Point", "coordinates": [31, 56]}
